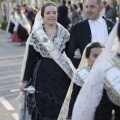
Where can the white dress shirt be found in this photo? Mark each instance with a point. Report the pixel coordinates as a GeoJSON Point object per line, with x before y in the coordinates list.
{"type": "Point", "coordinates": [99, 32]}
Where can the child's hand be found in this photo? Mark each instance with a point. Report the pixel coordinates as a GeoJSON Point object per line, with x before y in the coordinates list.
{"type": "Point", "coordinates": [77, 54]}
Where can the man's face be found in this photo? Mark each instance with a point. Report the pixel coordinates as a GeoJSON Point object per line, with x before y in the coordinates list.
{"type": "Point", "coordinates": [93, 9]}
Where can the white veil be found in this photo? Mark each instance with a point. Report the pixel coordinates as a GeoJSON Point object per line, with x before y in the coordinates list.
{"type": "Point", "coordinates": [91, 92]}
{"type": "Point", "coordinates": [83, 63]}
{"type": "Point", "coordinates": [23, 111]}
{"type": "Point", "coordinates": [38, 21]}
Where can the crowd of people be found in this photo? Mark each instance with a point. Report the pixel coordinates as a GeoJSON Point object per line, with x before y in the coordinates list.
{"type": "Point", "coordinates": [88, 43]}
{"type": "Point", "coordinates": [22, 17]}
{"type": "Point", "coordinates": [21, 21]}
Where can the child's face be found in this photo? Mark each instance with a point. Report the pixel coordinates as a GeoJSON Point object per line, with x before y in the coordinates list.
{"type": "Point", "coordinates": [94, 53]}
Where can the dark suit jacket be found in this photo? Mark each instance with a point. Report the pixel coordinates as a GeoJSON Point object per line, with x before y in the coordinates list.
{"type": "Point", "coordinates": [80, 36]}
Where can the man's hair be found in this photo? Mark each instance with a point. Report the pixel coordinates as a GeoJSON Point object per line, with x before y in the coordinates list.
{"type": "Point", "coordinates": [99, 2]}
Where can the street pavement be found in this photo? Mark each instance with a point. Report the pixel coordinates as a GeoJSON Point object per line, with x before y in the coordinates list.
{"type": "Point", "coordinates": [11, 56]}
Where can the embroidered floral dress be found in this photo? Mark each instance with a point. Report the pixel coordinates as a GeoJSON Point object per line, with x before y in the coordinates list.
{"type": "Point", "coordinates": [50, 81]}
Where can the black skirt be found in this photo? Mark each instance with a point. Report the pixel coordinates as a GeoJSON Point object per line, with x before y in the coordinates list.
{"type": "Point", "coordinates": [11, 27]}
{"type": "Point", "coordinates": [22, 33]}
{"type": "Point", "coordinates": [51, 84]}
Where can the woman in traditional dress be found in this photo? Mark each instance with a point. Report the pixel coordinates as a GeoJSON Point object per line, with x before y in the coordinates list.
{"type": "Point", "coordinates": [12, 25]}
{"type": "Point", "coordinates": [16, 18]}
{"type": "Point", "coordinates": [23, 29]}
{"type": "Point", "coordinates": [92, 91]}
{"type": "Point", "coordinates": [39, 69]}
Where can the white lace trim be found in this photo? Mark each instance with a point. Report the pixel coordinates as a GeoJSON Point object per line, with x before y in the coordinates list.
{"type": "Point", "coordinates": [60, 41]}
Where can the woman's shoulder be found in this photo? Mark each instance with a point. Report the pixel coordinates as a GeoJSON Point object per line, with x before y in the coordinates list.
{"type": "Point", "coordinates": [62, 29]}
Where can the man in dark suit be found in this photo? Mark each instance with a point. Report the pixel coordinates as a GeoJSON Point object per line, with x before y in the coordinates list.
{"type": "Point", "coordinates": [94, 29]}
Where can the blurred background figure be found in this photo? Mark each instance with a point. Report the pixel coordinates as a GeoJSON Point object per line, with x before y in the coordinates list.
{"type": "Point", "coordinates": [70, 6]}
{"type": "Point", "coordinates": [75, 14]}
{"type": "Point", "coordinates": [112, 12]}
{"type": "Point", "coordinates": [80, 10]}
{"type": "Point", "coordinates": [23, 27]}
{"type": "Point", "coordinates": [11, 23]}
{"type": "Point", "coordinates": [5, 12]}
{"type": "Point", "coordinates": [30, 14]}
{"type": "Point", "coordinates": [35, 11]}
{"type": "Point", "coordinates": [63, 18]}
{"type": "Point", "coordinates": [103, 12]}
{"type": "Point", "coordinates": [24, 9]}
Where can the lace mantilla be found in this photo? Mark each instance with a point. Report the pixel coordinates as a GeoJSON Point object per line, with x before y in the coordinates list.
{"type": "Point", "coordinates": [60, 41]}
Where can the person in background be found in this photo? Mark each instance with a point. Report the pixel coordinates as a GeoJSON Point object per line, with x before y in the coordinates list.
{"type": "Point", "coordinates": [12, 22]}
{"type": "Point", "coordinates": [75, 15]}
{"type": "Point", "coordinates": [112, 13]}
{"type": "Point", "coordinates": [63, 18]}
{"type": "Point", "coordinates": [30, 14]}
{"type": "Point", "coordinates": [103, 12]}
{"type": "Point", "coordinates": [24, 10]}
{"type": "Point", "coordinates": [80, 10]}
{"type": "Point", "coordinates": [70, 6]}
{"type": "Point", "coordinates": [35, 11]}
{"type": "Point", "coordinates": [23, 26]}
{"type": "Point", "coordinates": [16, 14]}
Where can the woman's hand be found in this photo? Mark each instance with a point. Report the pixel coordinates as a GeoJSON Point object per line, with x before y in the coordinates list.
{"type": "Point", "coordinates": [23, 85]}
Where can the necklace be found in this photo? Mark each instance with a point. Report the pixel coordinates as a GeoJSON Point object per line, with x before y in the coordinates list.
{"type": "Point", "coordinates": [51, 33]}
